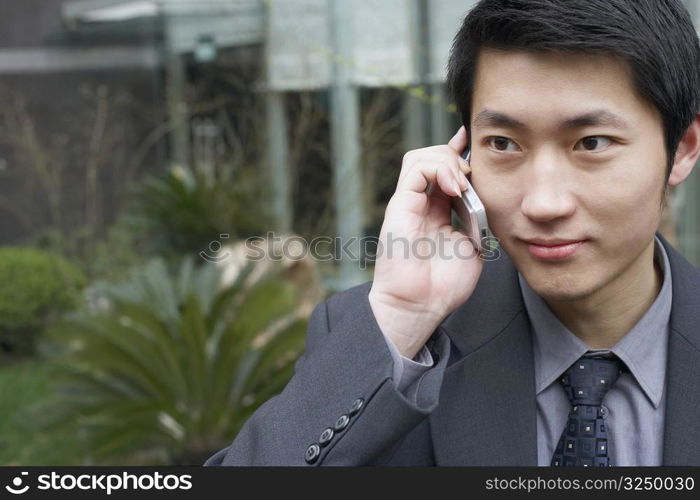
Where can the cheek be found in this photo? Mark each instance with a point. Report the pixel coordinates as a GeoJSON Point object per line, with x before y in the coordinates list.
{"type": "Point", "coordinates": [629, 195]}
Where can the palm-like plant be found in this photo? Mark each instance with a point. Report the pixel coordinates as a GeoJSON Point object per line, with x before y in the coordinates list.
{"type": "Point", "coordinates": [169, 367]}
{"type": "Point", "coordinates": [183, 209]}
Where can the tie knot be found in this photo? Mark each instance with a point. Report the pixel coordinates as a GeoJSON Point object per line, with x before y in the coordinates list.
{"type": "Point", "coordinates": [588, 380]}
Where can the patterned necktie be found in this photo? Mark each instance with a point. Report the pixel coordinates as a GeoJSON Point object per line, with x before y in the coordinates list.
{"type": "Point", "coordinates": [584, 441]}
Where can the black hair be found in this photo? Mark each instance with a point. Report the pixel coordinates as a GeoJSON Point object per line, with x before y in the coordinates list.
{"type": "Point", "coordinates": [656, 37]}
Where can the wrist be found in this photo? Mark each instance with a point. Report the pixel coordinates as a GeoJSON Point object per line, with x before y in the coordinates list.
{"type": "Point", "coordinates": [407, 326]}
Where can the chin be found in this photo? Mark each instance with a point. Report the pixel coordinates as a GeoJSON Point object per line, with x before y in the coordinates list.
{"type": "Point", "coordinates": [559, 286]}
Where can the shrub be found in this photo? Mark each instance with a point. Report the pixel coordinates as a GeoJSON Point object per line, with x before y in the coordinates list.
{"type": "Point", "coordinates": [35, 286]}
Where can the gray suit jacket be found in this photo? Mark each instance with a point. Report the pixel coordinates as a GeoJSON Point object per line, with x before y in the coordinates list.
{"type": "Point", "coordinates": [483, 377]}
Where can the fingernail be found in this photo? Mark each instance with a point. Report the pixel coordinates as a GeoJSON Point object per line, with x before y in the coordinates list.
{"type": "Point", "coordinates": [457, 189]}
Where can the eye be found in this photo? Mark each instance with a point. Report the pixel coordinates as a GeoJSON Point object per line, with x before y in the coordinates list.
{"type": "Point", "coordinates": [502, 144]}
{"type": "Point", "coordinates": [594, 143]}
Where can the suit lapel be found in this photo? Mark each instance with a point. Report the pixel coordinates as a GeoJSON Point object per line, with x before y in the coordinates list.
{"type": "Point", "coordinates": [681, 430]}
{"type": "Point", "coordinates": [491, 419]}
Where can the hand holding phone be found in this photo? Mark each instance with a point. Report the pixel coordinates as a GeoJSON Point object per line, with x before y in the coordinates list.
{"type": "Point", "coordinates": [427, 268]}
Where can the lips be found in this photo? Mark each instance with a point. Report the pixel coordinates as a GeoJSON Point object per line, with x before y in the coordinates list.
{"type": "Point", "coordinates": [553, 248]}
{"type": "Point", "coordinates": [551, 242]}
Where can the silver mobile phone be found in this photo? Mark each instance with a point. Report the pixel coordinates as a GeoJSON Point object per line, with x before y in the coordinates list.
{"type": "Point", "coordinates": [472, 214]}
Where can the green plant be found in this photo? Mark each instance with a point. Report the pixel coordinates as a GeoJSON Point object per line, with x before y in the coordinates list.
{"type": "Point", "coordinates": [184, 210]}
{"type": "Point", "coordinates": [167, 368]}
{"type": "Point", "coordinates": [35, 286]}
{"type": "Point", "coordinates": [23, 384]}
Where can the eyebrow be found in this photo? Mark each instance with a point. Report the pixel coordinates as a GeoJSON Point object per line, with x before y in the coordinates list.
{"type": "Point", "coordinates": [489, 118]}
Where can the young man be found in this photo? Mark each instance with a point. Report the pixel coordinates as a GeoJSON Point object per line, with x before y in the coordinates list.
{"type": "Point", "coordinates": [579, 345]}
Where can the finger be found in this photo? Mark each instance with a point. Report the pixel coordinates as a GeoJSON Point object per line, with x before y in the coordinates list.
{"type": "Point", "coordinates": [425, 172]}
{"type": "Point", "coordinates": [444, 156]}
{"type": "Point", "coordinates": [439, 149]}
{"type": "Point", "coordinates": [459, 141]}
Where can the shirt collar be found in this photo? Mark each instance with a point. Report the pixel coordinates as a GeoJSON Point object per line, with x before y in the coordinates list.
{"type": "Point", "coordinates": [643, 349]}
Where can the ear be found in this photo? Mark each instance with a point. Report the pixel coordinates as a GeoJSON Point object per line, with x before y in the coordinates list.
{"type": "Point", "coordinates": [686, 154]}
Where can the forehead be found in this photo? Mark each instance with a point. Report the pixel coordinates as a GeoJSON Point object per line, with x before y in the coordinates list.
{"type": "Point", "coordinates": [549, 83]}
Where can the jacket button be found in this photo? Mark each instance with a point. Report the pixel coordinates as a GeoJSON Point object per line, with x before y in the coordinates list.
{"type": "Point", "coordinates": [326, 436]}
{"type": "Point", "coordinates": [312, 453]}
{"type": "Point", "coordinates": [356, 406]}
{"type": "Point", "coordinates": [342, 423]}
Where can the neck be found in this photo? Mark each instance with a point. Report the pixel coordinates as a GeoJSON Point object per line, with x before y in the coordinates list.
{"type": "Point", "coordinates": [604, 317]}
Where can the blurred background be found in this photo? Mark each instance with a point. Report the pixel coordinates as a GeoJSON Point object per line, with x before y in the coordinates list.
{"type": "Point", "coordinates": [141, 142]}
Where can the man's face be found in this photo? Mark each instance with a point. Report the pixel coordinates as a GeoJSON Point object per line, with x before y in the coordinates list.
{"type": "Point", "coordinates": [564, 148]}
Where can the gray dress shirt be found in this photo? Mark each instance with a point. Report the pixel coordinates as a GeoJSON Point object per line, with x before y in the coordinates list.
{"type": "Point", "coordinates": [634, 406]}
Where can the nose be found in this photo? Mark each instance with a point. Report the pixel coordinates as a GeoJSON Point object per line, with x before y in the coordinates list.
{"type": "Point", "coordinates": [547, 192]}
